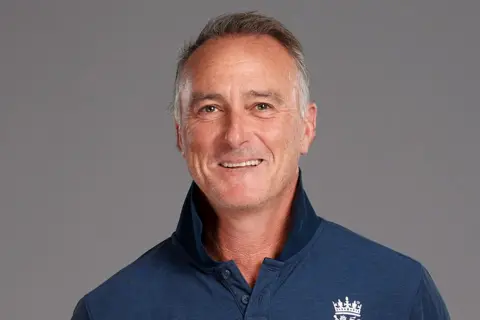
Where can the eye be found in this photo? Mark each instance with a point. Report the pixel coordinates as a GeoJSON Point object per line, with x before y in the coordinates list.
{"type": "Point", "coordinates": [262, 106]}
{"type": "Point", "coordinates": [208, 109]}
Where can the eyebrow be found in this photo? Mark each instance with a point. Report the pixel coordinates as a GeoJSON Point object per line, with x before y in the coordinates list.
{"type": "Point", "coordinates": [265, 94]}
{"type": "Point", "coordinates": [197, 97]}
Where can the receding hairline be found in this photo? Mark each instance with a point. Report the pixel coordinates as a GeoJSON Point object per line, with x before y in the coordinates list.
{"type": "Point", "coordinates": [185, 63]}
{"type": "Point", "coordinates": [249, 23]}
{"type": "Point", "coordinates": [186, 70]}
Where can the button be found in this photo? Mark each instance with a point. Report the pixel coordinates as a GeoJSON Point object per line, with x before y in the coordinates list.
{"type": "Point", "coordinates": [225, 274]}
{"type": "Point", "coordinates": [245, 299]}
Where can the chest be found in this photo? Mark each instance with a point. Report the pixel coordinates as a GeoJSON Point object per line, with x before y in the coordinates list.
{"type": "Point", "coordinates": [278, 294]}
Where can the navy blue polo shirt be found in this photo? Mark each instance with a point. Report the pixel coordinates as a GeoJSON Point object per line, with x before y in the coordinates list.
{"type": "Point", "coordinates": [324, 271]}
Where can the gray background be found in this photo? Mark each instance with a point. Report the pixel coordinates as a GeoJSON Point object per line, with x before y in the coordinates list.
{"type": "Point", "coordinates": [90, 177]}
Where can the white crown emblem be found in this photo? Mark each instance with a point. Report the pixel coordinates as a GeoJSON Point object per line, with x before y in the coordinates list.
{"type": "Point", "coordinates": [344, 309]}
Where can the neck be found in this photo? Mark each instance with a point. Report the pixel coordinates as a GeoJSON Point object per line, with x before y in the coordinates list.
{"type": "Point", "coordinates": [248, 238]}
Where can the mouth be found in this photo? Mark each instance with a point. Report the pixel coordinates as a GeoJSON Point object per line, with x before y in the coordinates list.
{"type": "Point", "coordinates": [243, 164]}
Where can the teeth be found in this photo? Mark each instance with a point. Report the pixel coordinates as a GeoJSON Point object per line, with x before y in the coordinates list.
{"type": "Point", "coordinates": [241, 164]}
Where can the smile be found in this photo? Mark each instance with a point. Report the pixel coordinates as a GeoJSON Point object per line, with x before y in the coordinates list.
{"type": "Point", "coordinates": [249, 163]}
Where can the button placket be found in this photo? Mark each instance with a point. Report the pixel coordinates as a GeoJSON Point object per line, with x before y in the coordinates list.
{"type": "Point", "coordinates": [225, 274]}
{"type": "Point", "coordinates": [259, 300]}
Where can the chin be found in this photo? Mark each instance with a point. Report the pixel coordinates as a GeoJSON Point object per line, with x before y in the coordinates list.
{"type": "Point", "coordinates": [240, 197]}
{"type": "Point", "coordinates": [240, 204]}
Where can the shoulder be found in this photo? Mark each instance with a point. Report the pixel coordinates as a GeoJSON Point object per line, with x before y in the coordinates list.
{"type": "Point", "coordinates": [367, 262]}
{"type": "Point", "coordinates": [382, 273]}
{"type": "Point", "coordinates": [351, 245]}
{"type": "Point", "coordinates": [135, 280]}
{"type": "Point", "coordinates": [348, 264]}
{"type": "Point", "coordinates": [428, 303]}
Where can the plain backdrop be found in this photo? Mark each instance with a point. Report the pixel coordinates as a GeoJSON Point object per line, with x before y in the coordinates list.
{"type": "Point", "coordinates": [90, 177]}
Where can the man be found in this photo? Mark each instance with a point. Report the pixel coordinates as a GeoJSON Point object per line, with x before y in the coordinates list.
{"type": "Point", "coordinates": [248, 244]}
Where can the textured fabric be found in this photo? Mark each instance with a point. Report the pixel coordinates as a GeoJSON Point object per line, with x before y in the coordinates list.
{"type": "Point", "coordinates": [325, 271]}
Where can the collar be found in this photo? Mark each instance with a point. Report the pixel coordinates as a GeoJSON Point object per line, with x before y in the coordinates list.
{"type": "Point", "coordinates": [188, 234]}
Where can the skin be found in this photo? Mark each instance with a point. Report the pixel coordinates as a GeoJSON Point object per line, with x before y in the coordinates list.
{"type": "Point", "coordinates": [240, 102]}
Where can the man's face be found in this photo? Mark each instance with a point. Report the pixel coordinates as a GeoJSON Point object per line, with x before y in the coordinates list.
{"type": "Point", "coordinates": [241, 131]}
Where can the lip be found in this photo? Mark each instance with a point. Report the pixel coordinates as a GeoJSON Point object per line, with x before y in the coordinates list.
{"type": "Point", "coordinates": [239, 160]}
{"type": "Point", "coordinates": [240, 168]}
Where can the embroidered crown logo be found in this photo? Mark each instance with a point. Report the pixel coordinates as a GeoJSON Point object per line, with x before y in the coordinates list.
{"type": "Point", "coordinates": [346, 310]}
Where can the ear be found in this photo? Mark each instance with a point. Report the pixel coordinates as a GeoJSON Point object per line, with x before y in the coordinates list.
{"type": "Point", "coordinates": [178, 134]}
{"type": "Point", "coordinates": [310, 127]}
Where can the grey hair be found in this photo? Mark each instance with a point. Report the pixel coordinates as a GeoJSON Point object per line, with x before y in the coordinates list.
{"type": "Point", "coordinates": [245, 23]}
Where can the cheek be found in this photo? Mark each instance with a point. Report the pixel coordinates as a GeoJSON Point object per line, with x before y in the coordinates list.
{"type": "Point", "coordinates": [190, 136]}
{"type": "Point", "coordinates": [198, 140]}
{"type": "Point", "coordinates": [283, 137]}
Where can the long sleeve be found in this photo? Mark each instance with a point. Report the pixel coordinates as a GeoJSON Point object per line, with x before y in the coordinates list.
{"type": "Point", "coordinates": [81, 312]}
{"type": "Point", "coordinates": [428, 303]}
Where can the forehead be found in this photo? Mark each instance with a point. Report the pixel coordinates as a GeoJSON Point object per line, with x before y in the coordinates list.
{"type": "Point", "coordinates": [243, 62]}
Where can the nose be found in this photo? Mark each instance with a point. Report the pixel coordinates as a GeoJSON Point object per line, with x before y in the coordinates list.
{"type": "Point", "coordinates": [236, 129]}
